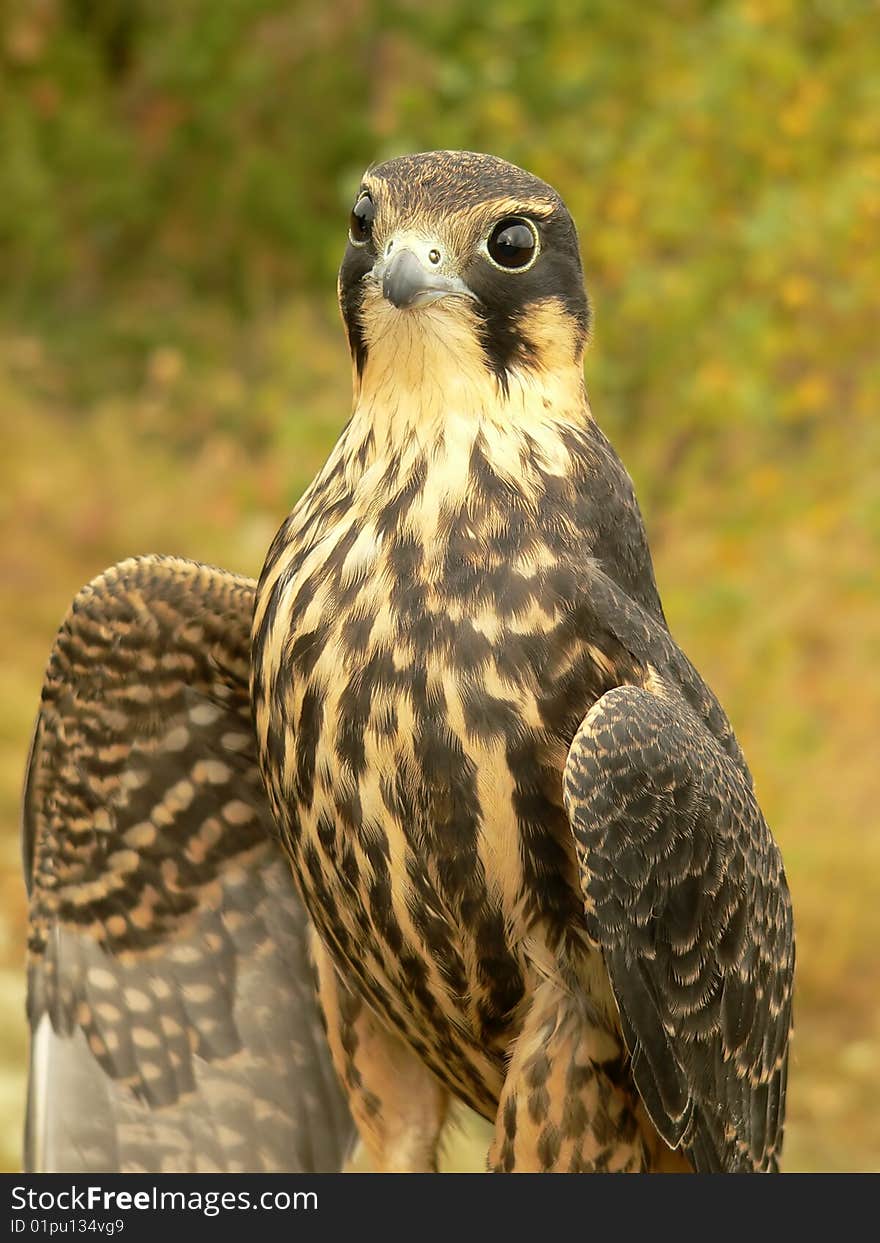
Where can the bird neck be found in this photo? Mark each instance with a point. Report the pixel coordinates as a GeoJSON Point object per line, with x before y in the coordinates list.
{"type": "Point", "coordinates": [426, 391]}
{"type": "Point", "coordinates": [437, 444]}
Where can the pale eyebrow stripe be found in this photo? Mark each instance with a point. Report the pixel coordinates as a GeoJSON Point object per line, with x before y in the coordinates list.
{"type": "Point", "coordinates": [539, 209]}
{"type": "Point", "coordinates": [486, 215]}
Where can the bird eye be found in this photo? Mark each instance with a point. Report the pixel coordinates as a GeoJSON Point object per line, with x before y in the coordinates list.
{"type": "Point", "coordinates": [513, 244]}
{"type": "Point", "coordinates": [360, 225]}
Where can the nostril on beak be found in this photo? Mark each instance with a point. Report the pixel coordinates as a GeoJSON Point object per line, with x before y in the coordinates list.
{"type": "Point", "coordinates": [409, 281]}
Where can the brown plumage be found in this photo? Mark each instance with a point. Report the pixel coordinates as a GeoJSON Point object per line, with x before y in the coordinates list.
{"type": "Point", "coordinates": [519, 819]}
{"type": "Point", "coordinates": [170, 997]}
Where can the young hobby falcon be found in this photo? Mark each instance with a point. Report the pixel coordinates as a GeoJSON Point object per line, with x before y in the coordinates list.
{"type": "Point", "coordinates": [520, 820]}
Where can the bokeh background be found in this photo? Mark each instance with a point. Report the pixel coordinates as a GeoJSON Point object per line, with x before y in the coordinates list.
{"type": "Point", "coordinates": [175, 177]}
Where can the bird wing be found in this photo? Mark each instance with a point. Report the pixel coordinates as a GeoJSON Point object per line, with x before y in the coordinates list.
{"type": "Point", "coordinates": [685, 893]}
{"type": "Point", "coordinates": [174, 1025]}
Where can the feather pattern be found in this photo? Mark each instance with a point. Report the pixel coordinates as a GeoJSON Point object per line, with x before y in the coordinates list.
{"type": "Point", "coordinates": [170, 996]}
{"type": "Point", "coordinates": [685, 893]}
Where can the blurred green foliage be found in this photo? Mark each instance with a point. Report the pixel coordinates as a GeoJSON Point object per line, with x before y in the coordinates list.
{"type": "Point", "coordinates": [174, 187]}
{"type": "Point", "coordinates": [721, 158]}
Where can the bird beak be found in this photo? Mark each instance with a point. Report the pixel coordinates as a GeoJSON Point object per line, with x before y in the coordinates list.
{"type": "Point", "coordinates": [408, 281]}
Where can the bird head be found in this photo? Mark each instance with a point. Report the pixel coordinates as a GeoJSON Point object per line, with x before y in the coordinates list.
{"type": "Point", "coordinates": [461, 269]}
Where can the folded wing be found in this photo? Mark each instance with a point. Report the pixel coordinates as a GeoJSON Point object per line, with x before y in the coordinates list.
{"type": "Point", "coordinates": [684, 891]}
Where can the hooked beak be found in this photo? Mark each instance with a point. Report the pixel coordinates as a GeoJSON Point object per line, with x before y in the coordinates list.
{"type": "Point", "coordinates": [407, 282]}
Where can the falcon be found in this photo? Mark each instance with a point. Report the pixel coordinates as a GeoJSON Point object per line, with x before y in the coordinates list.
{"type": "Point", "coordinates": [519, 819]}
{"type": "Point", "coordinates": [172, 1007]}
